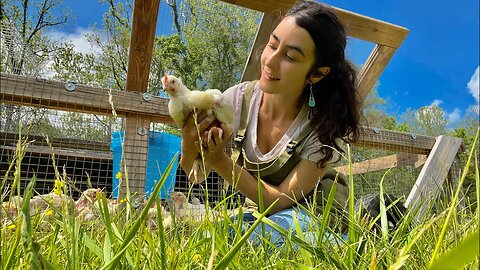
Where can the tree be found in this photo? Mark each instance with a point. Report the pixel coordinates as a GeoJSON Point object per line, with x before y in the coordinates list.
{"type": "Point", "coordinates": [218, 38]}
{"type": "Point", "coordinates": [24, 24]}
{"type": "Point", "coordinates": [374, 106]}
{"type": "Point", "coordinates": [26, 49]}
{"type": "Point", "coordinates": [69, 65]}
{"type": "Point", "coordinates": [428, 120]}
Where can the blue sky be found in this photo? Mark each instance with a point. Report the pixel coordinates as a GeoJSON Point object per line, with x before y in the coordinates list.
{"type": "Point", "coordinates": [438, 63]}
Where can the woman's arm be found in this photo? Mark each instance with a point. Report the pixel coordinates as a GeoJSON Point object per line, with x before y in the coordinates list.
{"type": "Point", "coordinates": [300, 182]}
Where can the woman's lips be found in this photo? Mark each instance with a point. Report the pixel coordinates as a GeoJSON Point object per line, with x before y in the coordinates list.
{"type": "Point", "coordinates": [269, 77]}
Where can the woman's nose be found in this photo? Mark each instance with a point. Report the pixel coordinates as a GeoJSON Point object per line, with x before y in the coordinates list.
{"type": "Point", "coordinates": [271, 59]}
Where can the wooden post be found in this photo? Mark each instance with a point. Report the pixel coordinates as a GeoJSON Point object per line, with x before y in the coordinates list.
{"type": "Point", "coordinates": [252, 68]}
{"type": "Point", "coordinates": [137, 128]}
{"type": "Point", "coordinates": [433, 174]}
{"type": "Point", "coordinates": [373, 68]}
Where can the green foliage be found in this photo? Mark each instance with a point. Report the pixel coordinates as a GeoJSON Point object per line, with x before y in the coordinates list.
{"type": "Point", "coordinates": [63, 242]}
{"type": "Point", "coordinates": [391, 124]}
{"type": "Point", "coordinates": [27, 22]}
{"type": "Point", "coordinates": [69, 65]}
{"type": "Point", "coordinates": [218, 37]}
{"type": "Point", "coordinates": [374, 109]}
{"type": "Point", "coordinates": [428, 120]}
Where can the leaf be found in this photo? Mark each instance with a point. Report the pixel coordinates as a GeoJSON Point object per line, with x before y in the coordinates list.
{"type": "Point", "coordinates": [459, 256]}
{"type": "Point", "coordinates": [229, 256]}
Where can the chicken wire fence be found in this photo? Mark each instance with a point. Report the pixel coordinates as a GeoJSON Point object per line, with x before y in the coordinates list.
{"type": "Point", "coordinates": [78, 121]}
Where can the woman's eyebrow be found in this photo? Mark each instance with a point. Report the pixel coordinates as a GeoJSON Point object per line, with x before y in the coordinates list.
{"type": "Point", "coordinates": [292, 47]}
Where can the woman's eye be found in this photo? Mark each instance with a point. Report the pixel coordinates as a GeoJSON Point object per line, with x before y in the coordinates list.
{"type": "Point", "coordinates": [289, 57]}
{"type": "Point", "coordinates": [272, 47]}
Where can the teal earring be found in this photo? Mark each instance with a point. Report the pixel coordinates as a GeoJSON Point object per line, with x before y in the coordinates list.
{"type": "Point", "coordinates": [311, 99]}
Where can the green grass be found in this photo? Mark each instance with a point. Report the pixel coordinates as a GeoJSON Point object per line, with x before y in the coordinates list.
{"type": "Point", "coordinates": [445, 239]}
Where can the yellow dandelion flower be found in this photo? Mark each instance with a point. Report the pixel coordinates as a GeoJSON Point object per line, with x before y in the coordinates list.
{"type": "Point", "coordinates": [119, 175]}
{"type": "Point", "coordinates": [49, 212]}
{"type": "Point", "coordinates": [123, 200]}
{"type": "Point", "coordinates": [57, 188]}
{"type": "Point", "coordinates": [11, 227]}
{"type": "Point", "coordinates": [197, 257]}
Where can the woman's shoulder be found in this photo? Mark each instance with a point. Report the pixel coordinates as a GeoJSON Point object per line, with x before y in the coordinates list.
{"type": "Point", "coordinates": [236, 90]}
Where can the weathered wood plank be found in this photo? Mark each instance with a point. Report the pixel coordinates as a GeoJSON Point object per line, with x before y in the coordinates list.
{"type": "Point", "coordinates": [357, 26]}
{"type": "Point", "coordinates": [144, 22]}
{"type": "Point", "coordinates": [395, 141]}
{"type": "Point", "coordinates": [11, 139]}
{"type": "Point", "coordinates": [373, 68]}
{"type": "Point", "coordinates": [51, 94]}
{"type": "Point", "coordinates": [135, 147]}
{"type": "Point", "coordinates": [63, 152]}
{"type": "Point", "coordinates": [382, 163]}
{"type": "Point", "coordinates": [252, 68]}
{"type": "Point", "coordinates": [433, 174]}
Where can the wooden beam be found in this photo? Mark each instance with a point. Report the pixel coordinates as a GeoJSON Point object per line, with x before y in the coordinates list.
{"type": "Point", "coordinates": [382, 163]}
{"type": "Point", "coordinates": [252, 68]}
{"type": "Point", "coordinates": [395, 141]}
{"type": "Point", "coordinates": [144, 22]}
{"type": "Point", "coordinates": [373, 68]}
{"type": "Point", "coordinates": [77, 153]}
{"type": "Point", "coordinates": [137, 127]}
{"type": "Point", "coordinates": [433, 174]}
{"type": "Point", "coordinates": [11, 139]}
{"type": "Point", "coordinates": [51, 94]}
{"type": "Point", "coordinates": [357, 26]}
{"type": "Point", "coordinates": [387, 36]}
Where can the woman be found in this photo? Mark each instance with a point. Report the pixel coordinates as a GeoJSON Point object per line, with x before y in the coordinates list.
{"type": "Point", "coordinates": [306, 94]}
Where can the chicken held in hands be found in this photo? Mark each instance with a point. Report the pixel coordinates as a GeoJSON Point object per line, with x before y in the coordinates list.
{"type": "Point", "coordinates": [183, 101]}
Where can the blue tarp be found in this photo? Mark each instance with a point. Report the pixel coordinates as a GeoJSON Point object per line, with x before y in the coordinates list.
{"type": "Point", "coordinates": [162, 147]}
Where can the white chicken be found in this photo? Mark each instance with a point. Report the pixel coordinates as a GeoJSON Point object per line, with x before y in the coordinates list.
{"type": "Point", "coordinates": [183, 101]}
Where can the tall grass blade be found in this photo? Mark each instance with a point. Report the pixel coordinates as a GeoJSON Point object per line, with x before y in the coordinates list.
{"type": "Point", "coordinates": [223, 264]}
{"type": "Point", "coordinates": [136, 225]}
{"type": "Point", "coordinates": [91, 245]}
{"type": "Point", "coordinates": [38, 262]}
{"type": "Point", "coordinates": [459, 256]}
{"type": "Point", "coordinates": [317, 251]}
{"type": "Point", "coordinates": [453, 204]}
{"type": "Point", "coordinates": [383, 211]}
{"type": "Point", "coordinates": [351, 211]}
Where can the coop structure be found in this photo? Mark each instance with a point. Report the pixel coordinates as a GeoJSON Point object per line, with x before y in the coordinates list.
{"type": "Point", "coordinates": [435, 158]}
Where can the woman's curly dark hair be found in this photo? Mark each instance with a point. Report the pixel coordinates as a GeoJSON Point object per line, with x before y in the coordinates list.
{"type": "Point", "coordinates": [337, 110]}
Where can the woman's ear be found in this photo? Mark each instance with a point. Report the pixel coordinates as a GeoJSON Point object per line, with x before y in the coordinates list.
{"type": "Point", "coordinates": [317, 76]}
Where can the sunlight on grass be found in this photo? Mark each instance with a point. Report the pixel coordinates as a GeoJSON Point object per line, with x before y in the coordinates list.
{"type": "Point", "coordinates": [58, 239]}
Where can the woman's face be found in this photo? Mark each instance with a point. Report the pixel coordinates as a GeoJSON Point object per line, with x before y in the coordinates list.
{"type": "Point", "coordinates": [287, 59]}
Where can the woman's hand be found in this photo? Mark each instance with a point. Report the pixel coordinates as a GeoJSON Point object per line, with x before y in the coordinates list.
{"type": "Point", "coordinates": [190, 135]}
{"type": "Point", "coordinates": [213, 144]}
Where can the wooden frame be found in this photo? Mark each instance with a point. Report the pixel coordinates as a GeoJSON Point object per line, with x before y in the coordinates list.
{"type": "Point", "coordinates": [52, 94]}
{"type": "Point", "coordinates": [386, 36]}
{"type": "Point", "coordinates": [383, 163]}
{"type": "Point", "coordinates": [139, 111]}
{"type": "Point", "coordinates": [433, 174]}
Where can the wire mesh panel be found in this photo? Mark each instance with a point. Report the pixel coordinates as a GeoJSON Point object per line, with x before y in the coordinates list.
{"type": "Point", "coordinates": [395, 172]}
{"type": "Point", "coordinates": [58, 142]}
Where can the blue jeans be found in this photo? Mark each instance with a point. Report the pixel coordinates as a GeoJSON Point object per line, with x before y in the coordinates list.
{"type": "Point", "coordinates": [284, 219]}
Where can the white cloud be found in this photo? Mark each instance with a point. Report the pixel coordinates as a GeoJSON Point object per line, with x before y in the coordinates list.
{"type": "Point", "coordinates": [473, 84]}
{"type": "Point", "coordinates": [77, 38]}
{"type": "Point", "coordinates": [454, 116]}
{"type": "Point", "coordinates": [436, 102]}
